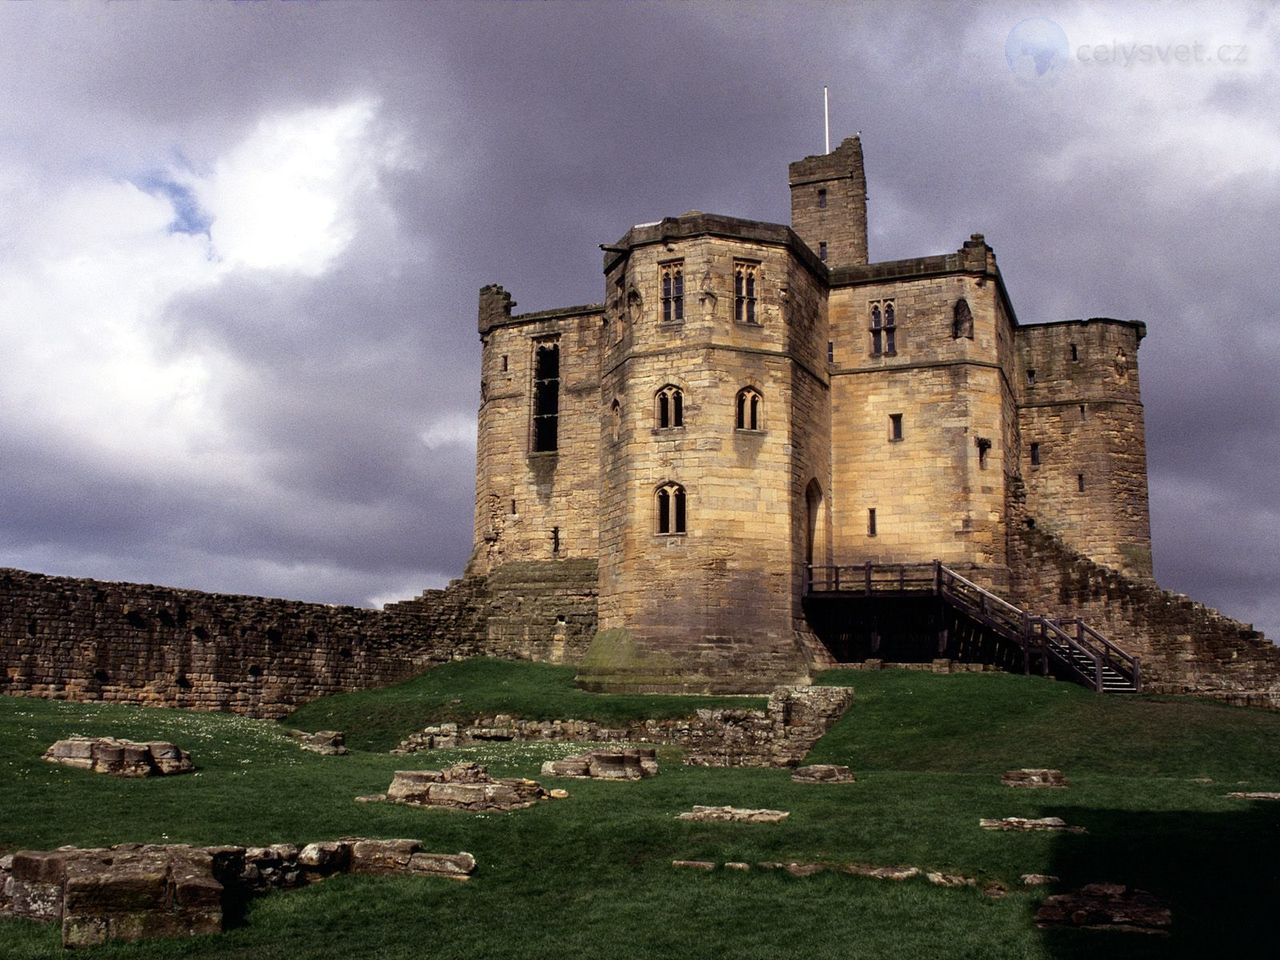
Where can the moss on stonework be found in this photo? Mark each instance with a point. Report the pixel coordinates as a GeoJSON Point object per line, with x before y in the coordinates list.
{"type": "Point", "coordinates": [1136, 557]}
{"type": "Point", "coordinates": [614, 657]}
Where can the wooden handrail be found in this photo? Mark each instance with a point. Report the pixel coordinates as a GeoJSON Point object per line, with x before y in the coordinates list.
{"type": "Point", "coordinates": [1048, 635]}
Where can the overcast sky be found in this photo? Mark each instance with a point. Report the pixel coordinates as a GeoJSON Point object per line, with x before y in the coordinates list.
{"type": "Point", "coordinates": [240, 246]}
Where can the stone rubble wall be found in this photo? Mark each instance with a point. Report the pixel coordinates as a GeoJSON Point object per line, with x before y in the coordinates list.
{"type": "Point", "coordinates": [69, 639]}
{"type": "Point", "coordinates": [778, 736]}
{"type": "Point", "coordinates": [1184, 646]}
{"type": "Point", "coordinates": [140, 891]}
{"type": "Point", "coordinates": [120, 758]}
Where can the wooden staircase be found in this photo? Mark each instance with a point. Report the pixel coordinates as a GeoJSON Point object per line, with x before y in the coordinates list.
{"type": "Point", "coordinates": [1067, 648]}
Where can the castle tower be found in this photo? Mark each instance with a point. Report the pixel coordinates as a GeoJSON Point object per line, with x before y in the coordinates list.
{"type": "Point", "coordinates": [1083, 445]}
{"type": "Point", "coordinates": [829, 204]}
{"type": "Point", "coordinates": [715, 429]}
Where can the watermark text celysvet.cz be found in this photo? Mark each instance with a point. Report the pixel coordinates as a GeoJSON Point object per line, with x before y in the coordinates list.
{"type": "Point", "coordinates": [1118, 53]}
{"type": "Point", "coordinates": [1038, 51]}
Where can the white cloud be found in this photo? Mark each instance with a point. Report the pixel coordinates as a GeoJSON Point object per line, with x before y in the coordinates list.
{"type": "Point", "coordinates": [89, 267]}
{"type": "Point", "coordinates": [453, 429]}
{"type": "Point", "coordinates": [287, 198]}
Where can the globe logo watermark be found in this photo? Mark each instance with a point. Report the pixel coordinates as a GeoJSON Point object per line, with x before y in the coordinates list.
{"type": "Point", "coordinates": [1037, 50]}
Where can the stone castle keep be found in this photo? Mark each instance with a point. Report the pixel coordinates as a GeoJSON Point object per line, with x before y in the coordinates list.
{"type": "Point", "coordinates": [752, 399]}
{"type": "Point", "coordinates": [707, 481]}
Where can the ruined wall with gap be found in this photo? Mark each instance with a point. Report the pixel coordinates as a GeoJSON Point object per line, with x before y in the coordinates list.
{"type": "Point", "coordinates": [69, 639]}
{"type": "Point", "coordinates": [1185, 646]}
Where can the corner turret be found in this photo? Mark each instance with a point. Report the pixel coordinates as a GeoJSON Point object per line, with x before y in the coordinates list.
{"type": "Point", "coordinates": [495, 307]}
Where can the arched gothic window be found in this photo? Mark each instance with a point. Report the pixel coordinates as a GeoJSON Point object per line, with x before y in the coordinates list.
{"type": "Point", "coordinates": [962, 321]}
{"type": "Point", "coordinates": [750, 407]}
{"type": "Point", "coordinates": [672, 291]}
{"type": "Point", "coordinates": [670, 407]}
{"type": "Point", "coordinates": [883, 328]}
{"type": "Point", "coordinates": [671, 510]}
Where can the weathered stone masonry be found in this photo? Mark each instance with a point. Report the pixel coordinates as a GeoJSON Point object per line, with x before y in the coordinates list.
{"type": "Point", "coordinates": [71, 639]}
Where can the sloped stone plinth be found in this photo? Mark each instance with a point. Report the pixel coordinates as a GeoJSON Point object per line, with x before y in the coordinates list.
{"type": "Point", "coordinates": [634, 764]}
{"type": "Point", "coordinates": [120, 758]}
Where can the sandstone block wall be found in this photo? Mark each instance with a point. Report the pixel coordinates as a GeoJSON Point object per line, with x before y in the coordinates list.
{"type": "Point", "coordinates": [536, 505]}
{"type": "Point", "coordinates": [541, 611]}
{"type": "Point", "coordinates": [1079, 402]}
{"type": "Point", "coordinates": [682, 597]}
{"type": "Point", "coordinates": [935, 492]}
{"type": "Point", "coordinates": [1185, 646]}
{"type": "Point", "coordinates": [63, 638]}
{"type": "Point", "coordinates": [838, 216]}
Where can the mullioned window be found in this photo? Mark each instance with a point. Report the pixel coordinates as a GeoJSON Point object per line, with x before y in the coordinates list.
{"type": "Point", "coordinates": [746, 278]}
{"type": "Point", "coordinates": [670, 503]}
{"type": "Point", "coordinates": [884, 328]}
{"type": "Point", "coordinates": [672, 291]}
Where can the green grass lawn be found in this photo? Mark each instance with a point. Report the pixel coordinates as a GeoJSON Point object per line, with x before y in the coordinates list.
{"type": "Point", "coordinates": [590, 876]}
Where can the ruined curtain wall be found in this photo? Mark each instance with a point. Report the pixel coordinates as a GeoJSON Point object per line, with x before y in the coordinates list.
{"type": "Point", "coordinates": [71, 639]}
{"type": "Point", "coordinates": [1185, 646]}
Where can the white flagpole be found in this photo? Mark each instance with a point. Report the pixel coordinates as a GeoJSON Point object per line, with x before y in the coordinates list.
{"type": "Point", "coordinates": [826, 120]}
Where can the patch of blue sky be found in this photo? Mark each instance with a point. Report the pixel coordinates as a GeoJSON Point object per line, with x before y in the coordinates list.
{"type": "Point", "coordinates": [188, 216]}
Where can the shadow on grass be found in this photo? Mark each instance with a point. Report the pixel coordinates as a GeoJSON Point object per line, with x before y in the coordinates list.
{"type": "Point", "coordinates": [1218, 872]}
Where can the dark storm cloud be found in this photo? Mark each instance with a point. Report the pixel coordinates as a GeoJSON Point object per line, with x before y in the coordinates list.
{"type": "Point", "coordinates": [536, 132]}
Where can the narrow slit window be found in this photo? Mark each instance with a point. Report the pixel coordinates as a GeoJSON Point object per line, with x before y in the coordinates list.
{"type": "Point", "coordinates": [895, 426]}
{"type": "Point", "coordinates": [1075, 352]}
{"type": "Point", "coordinates": [822, 198]}
{"type": "Point", "coordinates": [831, 351]}
{"type": "Point", "coordinates": [1083, 414]}
{"type": "Point", "coordinates": [1035, 454]}
{"type": "Point", "coordinates": [504, 363]}
{"type": "Point", "coordinates": [672, 292]}
{"type": "Point", "coordinates": [1031, 378]}
{"type": "Point", "coordinates": [871, 522]}
{"type": "Point", "coordinates": [546, 398]}
{"type": "Point", "coordinates": [1080, 482]}
{"type": "Point", "coordinates": [962, 321]}
{"type": "Point", "coordinates": [822, 250]}
{"type": "Point", "coordinates": [555, 540]}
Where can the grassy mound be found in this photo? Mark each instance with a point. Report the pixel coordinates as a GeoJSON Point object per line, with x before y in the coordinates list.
{"type": "Point", "coordinates": [590, 876]}
{"type": "Point", "coordinates": [462, 691]}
